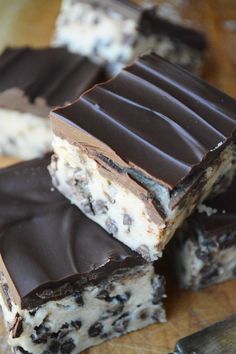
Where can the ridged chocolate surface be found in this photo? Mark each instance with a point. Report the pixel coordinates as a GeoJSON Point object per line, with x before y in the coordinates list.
{"type": "Point", "coordinates": [223, 218]}
{"type": "Point", "coordinates": [52, 74]}
{"type": "Point", "coordinates": [157, 117]}
{"type": "Point", "coordinates": [46, 243]}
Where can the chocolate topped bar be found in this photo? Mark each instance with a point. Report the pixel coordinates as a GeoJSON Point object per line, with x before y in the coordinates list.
{"type": "Point", "coordinates": [65, 284]}
{"type": "Point", "coordinates": [205, 248]}
{"type": "Point", "coordinates": [118, 31]}
{"type": "Point", "coordinates": [138, 153]}
{"type": "Point", "coordinates": [59, 248]}
{"type": "Point", "coordinates": [34, 80]}
{"type": "Point", "coordinates": [153, 117]}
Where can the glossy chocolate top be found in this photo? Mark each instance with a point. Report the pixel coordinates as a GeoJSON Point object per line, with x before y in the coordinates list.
{"type": "Point", "coordinates": [38, 79]}
{"type": "Point", "coordinates": [156, 117]}
{"type": "Point", "coordinates": [223, 217]}
{"type": "Point", "coordinates": [46, 243]}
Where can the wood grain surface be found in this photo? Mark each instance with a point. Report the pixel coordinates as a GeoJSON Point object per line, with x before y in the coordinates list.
{"type": "Point", "coordinates": [30, 22]}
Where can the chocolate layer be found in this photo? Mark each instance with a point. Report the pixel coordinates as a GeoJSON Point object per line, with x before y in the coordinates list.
{"type": "Point", "coordinates": [154, 117]}
{"type": "Point", "coordinates": [35, 80]}
{"type": "Point", "coordinates": [149, 22]}
{"type": "Point", "coordinates": [48, 248]}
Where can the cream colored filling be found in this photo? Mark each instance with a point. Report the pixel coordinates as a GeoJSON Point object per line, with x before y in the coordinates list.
{"type": "Point", "coordinates": [24, 135]}
{"type": "Point", "coordinates": [54, 314]}
{"type": "Point", "coordinates": [77, 176]}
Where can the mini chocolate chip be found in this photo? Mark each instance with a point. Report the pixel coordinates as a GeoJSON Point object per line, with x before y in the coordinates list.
{"type": "Point", "coordinates": [124, 297]}
{"type": "Point", "coordinates": [67, 347]}
{"type": "Point", "coordinates": [127, 220]}
{"type": "Point", "coordinates": [76, 324]}
{"type": "Point", "coordinates": [114, 311]}
{"type": "Point", "coordinates": [53, 348]}
{"type": "Point", "coordinates": [42, 334]}
{"type": "Point", "coordinates": [156, 315]}
{"type": "Point", "coordinates": [111, 226]}
{"type": "Point", "coordinates": [95, 329]}
{"type": "Point", "coordinates": [87, 207]}
{"type": "Point", "coordinates": [17, 328]}
{"type": "Point", "coordinates": [144, 251]}
{"type": "Point", "coordinates": [79, 299]}
{"type": "Point", "coordinates": [104, 295]}
{"type": "Point", "coordinates": [143, 315]}
{"type": "Point", "coordinates": [33, 312]}
{"type": "Point", "coordinates": [99, 207]}
{"type": "Point", "coordinates": [121, 323]}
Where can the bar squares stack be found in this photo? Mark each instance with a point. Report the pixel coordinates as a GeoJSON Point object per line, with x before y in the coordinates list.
{"type": "Point", "coordinates": [134, 157]}
{"type": "Point", "coordinates": [82, 230]}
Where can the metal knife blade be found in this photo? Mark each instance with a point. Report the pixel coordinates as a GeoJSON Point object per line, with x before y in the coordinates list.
{"type": "Point", "coordinates": [219, 338]}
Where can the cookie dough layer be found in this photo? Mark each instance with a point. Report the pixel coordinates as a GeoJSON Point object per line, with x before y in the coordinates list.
{"type": "Point", "coordinates": [200, 263]}
{"type": "Point", "coordinates": [120, 304]}
{"type": "Point", "coordinates": [119, 210]}
{"type": "Point", "coordinates": [115, 34]}
{"type": "Point", "coordinates": [24, 135]}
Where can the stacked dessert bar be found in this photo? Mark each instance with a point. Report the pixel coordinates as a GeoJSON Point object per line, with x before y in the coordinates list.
{"type": "Point", "coordinates": [204, 249]}
{"type": "Point", "coordinates": [134, 156]}
{"type": "Point", "coordinates": [117, 31]}
{"type": "Point", "coordinates": [33, 81]}
{"type": "Point", "coordinates": [139, 153]}
{"type": "Point", "coordinates": [65, 283]}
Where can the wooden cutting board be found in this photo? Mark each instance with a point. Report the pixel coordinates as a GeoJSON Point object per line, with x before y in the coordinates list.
{"type": "Point", "coordinates": [31, 22]}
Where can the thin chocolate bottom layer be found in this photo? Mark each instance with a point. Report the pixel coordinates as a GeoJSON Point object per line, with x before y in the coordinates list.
{"type": "Point", "coordinates": [120, 304]}
{"type": "Point", "coordinates": [125, 212]}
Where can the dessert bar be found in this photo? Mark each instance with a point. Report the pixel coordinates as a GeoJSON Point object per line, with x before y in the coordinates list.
{"type": "Point", "coordinates": [117, 31]}
{"type": "Point", "coordinates": [32, 82]}
{"type": "Point", "coordinates": [140, 152]}
{"type": "Point", "coordinates": [65, 284]}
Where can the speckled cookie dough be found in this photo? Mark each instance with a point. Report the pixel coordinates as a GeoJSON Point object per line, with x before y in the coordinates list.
{"type": "Point", "coordinates": [65, 284]}
{"type": "Point", "coordinates": [120, 31]}
{"type": "Point", "coordinates": [204, 250]}
{"type": "Point", "coordinates": [140, 152]}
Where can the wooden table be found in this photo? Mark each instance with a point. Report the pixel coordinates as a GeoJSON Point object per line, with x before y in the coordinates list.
{"type": "Point", "coordinates": [31, 22]}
